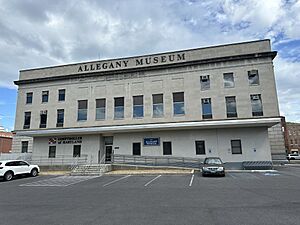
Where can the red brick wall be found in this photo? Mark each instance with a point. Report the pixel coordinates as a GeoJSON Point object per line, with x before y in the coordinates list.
{"type": "Point", "coordinates": [5, 144]}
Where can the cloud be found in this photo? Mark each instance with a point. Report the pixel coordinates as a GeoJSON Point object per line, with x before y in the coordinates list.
{"type": "Point", "coordinates": [51, 32]}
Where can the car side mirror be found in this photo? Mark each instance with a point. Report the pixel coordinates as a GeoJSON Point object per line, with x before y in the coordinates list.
{"type": "Point", "coordinates": [224, 163]}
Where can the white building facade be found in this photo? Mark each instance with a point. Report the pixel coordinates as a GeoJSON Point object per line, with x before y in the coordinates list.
{"type": "Point", "coordinates": [214, 101]}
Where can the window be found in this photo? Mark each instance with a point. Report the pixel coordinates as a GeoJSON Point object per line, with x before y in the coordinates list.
{"type": "Point", "coordinates": [29, 96]}
{"type": "Point", "coordinates": [236, 147]}
{"type": "Point", "coordinates": [200, 147]}
{"type": "Point", "coordinates": [158, 105]}
{"type": "Point", "coordinates": [253, 77]}
{"type": "Point", "coordinates": [138, 106]}
{"type": "Point", "coordinates": [178, 103]}
{"type": "Point", "coordinates": [45, 96]}
{"type": "Point", "coordinates": [205, 82]}
{"type": "Point", "coordinates": [100, 109]}
{"type": "Point", "coordinates": [119, 108]}
{"type": "Point", "coordinates": [82, 110]}
{"type": "Point", "coordinates": [24, 147]}
{"type": "Point", "coordinates": [228, 80]}
{"type": "Point", "coordinates": [206, 108]}
{"type": "Point", "coordinates": [60, 118]}
{"type": "Point", "coordinates": [52, 151]}
{"type": "Point", "coordinates": [61, 95]}
{"type": "Point", "coordinates": [27, 118]}
{"type": "Point", "coordinates": [43, 120]}
{"type": "Point", "coordinates": [136, 148]}
{"type": "Point", "coordinates": [167, 148]}
{"type": "Point", "coordinates": [257, 109]}
{"type": "Point", "coordinates": [76, 150]}
{"type": "Point", "coordinates": [231, 107]}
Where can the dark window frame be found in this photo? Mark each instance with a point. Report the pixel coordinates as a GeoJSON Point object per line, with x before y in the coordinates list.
{"type": "Point", "coordinates": [236, 148]}
{"type": "Point", "coordinates": [167, 151]}
{"type": "Point", "coordinates": [136, 151]}
{"type": "Point", "coordinates": [24, 146]}
{"type": "Point", "coordinates": [43, 118]}
{"type": "Point", "coordinates": [61, 96]}
{"type": "Point", "coordinates": [200, 147]}
{"type": "Point", "coordinates": [228, 100]}
{"type": "Point", "coordinates": [60, 117]}
{"type": "Point", "coordinates": [138, 104]}
{"type": "Point", "coordinates": [178, 100]}
{"type": "Point", "coordinates": [45, 96]}
{"type": "Point", "coordinates": [27, 120]}
{"type": "Point", "coordinates": [82, 110]}
{"type": "Point", "coordinates": [206, 101]}
{"type": "Point", "coordinates": [52, 152]}
{"type": "Point", "coordinates": [29, 97]}
{"type": "Point", "coordinates": [76, 150]}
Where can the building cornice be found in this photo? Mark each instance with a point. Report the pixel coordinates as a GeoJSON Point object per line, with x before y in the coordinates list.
{"type": "Point", "coordinates": [237, 123]}
{"type": "Point", "coordinates": [271, 54]}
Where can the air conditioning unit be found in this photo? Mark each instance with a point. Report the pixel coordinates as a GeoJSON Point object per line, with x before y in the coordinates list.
{"type": "Point", "coordinates": [255, 97]}
{"type": "Point", "coordinates": [43, 112]}
{"type": "Point", "coordinates": [253, 72]}
{"type": "Point", "coordinates": [206, 101]}
{"type": "Point", "coordinates": [204, 78]}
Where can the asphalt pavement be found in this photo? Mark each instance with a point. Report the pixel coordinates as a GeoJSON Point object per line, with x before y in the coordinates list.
{"type": "Point", "coordinates": [239, 198]}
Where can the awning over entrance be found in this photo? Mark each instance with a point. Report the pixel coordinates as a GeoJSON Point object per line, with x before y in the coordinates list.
{"type": "Point", "coordinates": [213, 124]}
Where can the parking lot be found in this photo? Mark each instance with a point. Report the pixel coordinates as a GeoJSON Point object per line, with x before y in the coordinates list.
{"type": "Point", "coordinates": [239, 198]}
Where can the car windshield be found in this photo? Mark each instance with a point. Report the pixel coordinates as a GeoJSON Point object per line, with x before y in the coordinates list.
{"type": "Point", "coordinates": [213, 161]}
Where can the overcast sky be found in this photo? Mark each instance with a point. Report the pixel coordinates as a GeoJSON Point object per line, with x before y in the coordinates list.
{"type": "Point", "coordinates": [38, 33]}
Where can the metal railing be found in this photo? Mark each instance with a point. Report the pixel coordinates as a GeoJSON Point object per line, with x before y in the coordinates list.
{"type": "Point", "coordinates": [59, 160]}
{"type": "Point", "coordinates": [157, 161]}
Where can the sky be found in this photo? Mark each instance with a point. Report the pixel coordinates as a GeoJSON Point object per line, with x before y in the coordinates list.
{"type": "Point", "coordinates": [39, 33]}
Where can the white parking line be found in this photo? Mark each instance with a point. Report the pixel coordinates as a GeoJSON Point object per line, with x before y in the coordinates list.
{"type": "Point", "coordinates": [234, 177]}
{"type": "Point", "coordinates": [60, 181]}
{"type": "Point", "coordinates": [152, 180]}
{"type": "Point", "coordinates": [191, 182]}
{"type": "Point", "coordinates": [114, 181]}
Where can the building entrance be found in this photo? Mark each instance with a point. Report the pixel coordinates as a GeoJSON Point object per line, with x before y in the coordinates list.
{"type": "Point", "coordinates": [108, 153]}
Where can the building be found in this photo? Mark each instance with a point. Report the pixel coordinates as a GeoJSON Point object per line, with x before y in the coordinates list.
{"type": "Point", "coordinates": [293, 136]}
{"type": "Point", "coordinates": [278, 141]}
{"type": "Point", "coordinates": [213, 101]}
{"type": "Point", "coordinates": [5, 141]}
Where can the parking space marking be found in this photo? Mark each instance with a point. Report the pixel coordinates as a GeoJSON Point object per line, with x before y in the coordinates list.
{"type": "Point", "coordinates": [152, 180]}
{"type": "Point", "coordinates": [60, 181]}
{"type": "Point", "coordinates": [234, 177]}
{"type": "Point", "coordinates": [114, 181]}
{"type": "Point", "coordinates": [191, 182]}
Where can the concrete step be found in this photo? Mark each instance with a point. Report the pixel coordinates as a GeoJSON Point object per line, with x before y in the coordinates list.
{"type": "Point", "coordinates": [90, 170]}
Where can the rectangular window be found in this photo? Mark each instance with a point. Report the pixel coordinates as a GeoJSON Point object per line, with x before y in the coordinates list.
{"type": "Point", "coordinates": [231, 106]}
{"type": "Point", "coordinates": [27, 119]}
{"type": "Point", "coordinates": [200, 147]}
{"type": "Point", "coordinates": [138, 106]}
{"type": "Point", "coordinates": [119, 108]}
{"type": "Point", "coordinates": [206, 108]}
{"type": "Point", "coordinates": [178, 103]}
{"type": "Point", "coordinates": [45, 96]}
{"type": "Point", "coordinates": [29, 96]}
{"type": "Point", "coordinates": [167, 148]}
{"type": "Point", "coordinates": [205, 82]}
{"type": "Point", "coordinates": [253, 77]}
{"type": "Point", "coordinates": [236, 147]}
{"type": "Point", "coordinates": [76, 150]}
{"type": "Point", "coordinates": [136, 148]}
{"type": "Point", "coordinates": [24, 147]}
{"type": "Point", "coordinates": [61, 95]}
{"type": "Point", "coordinates": [60, 118]}
{"type": "Point", "coordinates": [228, 80]}
{"type": "Point", "coordinates": [52, 151]}
{"type": "Point", "coordinates": [82, 110]}
{"type": "Point", "coordinates": [158, 105]}
{"type": "Point", "coordinates": [256, 103]}
{"type": "Point", "coordinates": [43, 119]}
{"type": "Point", "coordinates": [100, 109]}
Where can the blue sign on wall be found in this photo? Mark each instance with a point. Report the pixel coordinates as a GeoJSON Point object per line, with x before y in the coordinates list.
{"type": "Point", "coordinates": [151, 142]}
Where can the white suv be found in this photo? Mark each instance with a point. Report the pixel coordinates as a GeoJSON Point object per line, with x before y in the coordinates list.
{"type": "Point", "coordinates": [10, 168]}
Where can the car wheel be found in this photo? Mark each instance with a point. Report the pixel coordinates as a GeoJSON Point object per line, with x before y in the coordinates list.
{"type": "Point", "coordinates": [203, 175]}
{"type": "Point", "coordinates": [34, 173]}
{"type": "Point", "coordinates": [8, 176]}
